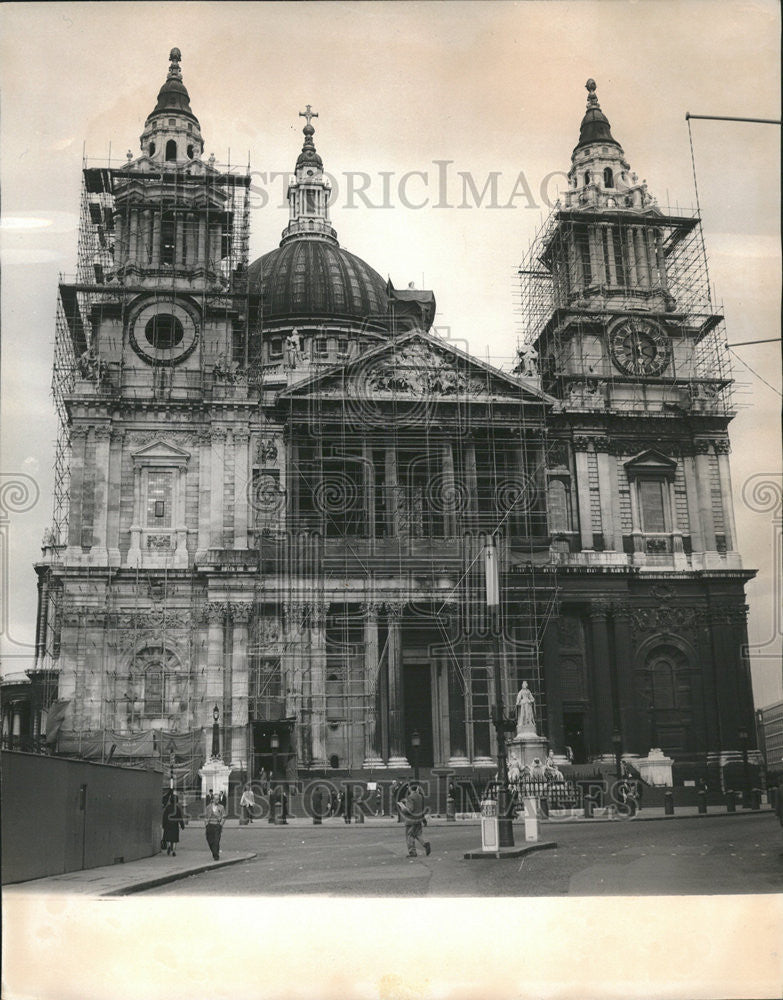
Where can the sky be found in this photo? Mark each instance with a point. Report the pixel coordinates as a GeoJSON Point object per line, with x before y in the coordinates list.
{"type": "Point", "coordinates": [419, 104]}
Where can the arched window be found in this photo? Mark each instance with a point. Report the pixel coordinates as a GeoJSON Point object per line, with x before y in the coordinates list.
{"type": "Point", "coordinates": [154, 689]}
{"type": "Point", "coordinates": [587, 177]}
{"type": "Point", "coordinates": [558, 505]}
{"type": "Point", "coordinates": [190, 152]}
{"type": "Point", "coordinates": [608, 178]}
{"type": "Point", "coordinates": [152, 149]}
{"type": "Point", "coordinates": [168, 238]}
{"type": "Point", "coordinates": [171, 149]}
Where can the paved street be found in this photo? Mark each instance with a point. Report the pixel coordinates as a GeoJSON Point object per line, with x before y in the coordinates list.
{"type": "Point", "coordinates": [740, 854]}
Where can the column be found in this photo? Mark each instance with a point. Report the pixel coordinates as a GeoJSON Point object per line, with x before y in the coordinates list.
{"type": "Point", "coordinates": [471, 475]}
{"type": "Point", "coordinates": [397, 756]}
{"type": "Point", "coordinates": [216, 505]}
{"type": "Point", "coordinates": [241, 484]}
{"type": "Point", "coordinates": [101, 503]}
{"type": "Point", "coordinates": [601, 681]}
{"type": "Point", "coordinates": [240, 614]}
{"type": "Point", "coordinates": [608, 496]}
{"type": "Point", "coordinates": [632, 720]}
{"type": "Point", "coordinates": [369, 490]}
{"type": "Point", "coordinates": [392, 493]}
{"type": "Point", "coordinates": [155, 248]}
{"type": "Point", "coordinates": [729, 527]}
{"type": "Point", "coordinates": [583, 493]}
{"type": "Point", "coordinates": [78, 452]}
{"type": "Point", "coordinates": [204, 483]}
{"type": "Point", "coordinates": [704, 492]}
{"type": "Point", "coordinates": [114, 493]}
{"type": "Point", "coordinates": [449, 494]}
{"type": "Point", "coordinates": [458, 744]}
{"type": "Point", "coordinates": [372, 757]}
{"type": "Point", "coordinates": [318, 684]}
{"type": "Point", "coordinates": [633, 274]}
{"type": "Point", "coordinates": [202, 241]}
{"type": "Point", "coordinates": [692, 493]}
{"type": "Point", "coordinates": [596, 257]}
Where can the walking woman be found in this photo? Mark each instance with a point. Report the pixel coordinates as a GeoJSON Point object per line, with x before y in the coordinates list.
{"type": "Point", "coordinates": [173, 822]}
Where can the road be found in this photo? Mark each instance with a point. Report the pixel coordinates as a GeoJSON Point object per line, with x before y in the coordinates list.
{"type": "Point", "coordinates": [739, 854]}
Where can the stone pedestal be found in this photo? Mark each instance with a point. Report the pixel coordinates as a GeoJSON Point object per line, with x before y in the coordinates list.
{"type": "Point", "coordinates": [655, 768]}
{"type": "Point", "coordinates": [214, 777]}
{"type": "Point", "coordinates": [525, 747]}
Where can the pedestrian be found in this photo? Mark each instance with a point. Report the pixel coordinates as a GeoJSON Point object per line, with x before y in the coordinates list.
{"type": "Point", "coordinates": [173, 822]}
{"type": "Point", "coordinates": [246, 805]}
{"type": "Point", "coordinates": [215, 817]}
{"type": "Point", "coordinates": [411, 808]}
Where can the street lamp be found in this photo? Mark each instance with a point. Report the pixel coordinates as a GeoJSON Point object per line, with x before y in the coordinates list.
{"type": "Point", "coordinates": [617, 743]}
{"type": "Point", "coordinates": [743, 738]}
{"type": "Point", "coordinates": [215, 732]}
{"type": "Point", "coordinates": [274, 742]}
{"type": "Point", "coordinates": [416, 743]}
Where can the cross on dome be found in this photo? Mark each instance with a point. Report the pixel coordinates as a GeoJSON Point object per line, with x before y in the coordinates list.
{"type": "Point", "coordinates": [308, 114]}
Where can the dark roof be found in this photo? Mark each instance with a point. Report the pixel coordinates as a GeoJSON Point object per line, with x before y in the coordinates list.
{"type": "Point", "coordinates": [313, 278]}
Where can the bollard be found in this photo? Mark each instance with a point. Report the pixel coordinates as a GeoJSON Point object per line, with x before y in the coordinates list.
{"type": "Point", "coordinates": [589, 803]}
{"type": "Point", "coordinates": [358, 814]}
{"type": "Point", "coordinates": [731, 801]}
{"type": "Point", "coordinates": [451, 810]}
{"type": "Point", "coordinates": [668, 804]}
{"type": "Point", "coordinates": [701, 798]}
{"type": "Point", "coordinates": [755, 799]}
{"type": "Point", "coordinates": [272, 807]}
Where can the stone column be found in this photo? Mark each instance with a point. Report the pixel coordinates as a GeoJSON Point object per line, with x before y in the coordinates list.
{"type": "Point", "coordinates": [114, 492]}
{"type": "Point", "coordinates": [216, 506]}
{"type": "Point", "coordinates": [692, 493]}
{"type": "Point", "coordinates": [240, 614]}
{"type": "Point", "coordinates": [155, 248]}
{"type": "Point", "coordinates": [472, 477]}
{"type": "Point", "coordinates": [372, 757]}
{"type": "Point", "coordinates": [392, 493]}
{"type": "Point", "coordinates": [241, 483]}
{"type": "Point", "coordinates": [704, 489]}
{"type": "Point", "coordinates": [99, 552]}
{"type": "Point", "coordinates": [608, 494]}
{"type": "Point", "coordinates": [397, 756]}
{"type": "Point", "coordinates": [631, 721]}
{"type": "Point", "coordinates": [318, 683]}
{"type": "Point", "coordinates": [449, 494]}
{"type": "Point", "coordinates": [601, 681]}
{"type": "Point", "coordinates": [369, 488]}
{"type": "Point", "coordinates": [583, 493]}
{"type": "Point", "coordinates": [726, 496]}
{"type": "Point", "coordinates": [204, 484]}
{"type": "Point", "coordinates": [78, 453]}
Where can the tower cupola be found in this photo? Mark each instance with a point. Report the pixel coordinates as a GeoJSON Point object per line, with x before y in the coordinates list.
{"type": "Point", "coordinates": [309, 193]}
{"type": "Point", "coordinates": [172, 133]}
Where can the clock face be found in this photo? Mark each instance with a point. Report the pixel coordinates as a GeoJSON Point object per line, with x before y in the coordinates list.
{"type": "Point", "coordinates": [163, 332]}
{"type": "Point", "coordinates": [640, 348]}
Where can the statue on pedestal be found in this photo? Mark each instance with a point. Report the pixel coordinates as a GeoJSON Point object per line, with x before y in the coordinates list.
{"type": "Point", "coordinates": [525, 703]}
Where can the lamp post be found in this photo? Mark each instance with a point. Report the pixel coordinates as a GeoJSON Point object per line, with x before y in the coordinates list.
{"type": "Point", "coordinates": [215, 732]}
{"type": "Point", "coordinates": [274, 742]}
{"type": "Point", "coordinates": [416, 743]}
{"type": "Point", "coordinates": [743, 738]}
{"type": "Point", "coordinates": [617, 744]}
{"type": "Point", "coordinates": [505, 825]}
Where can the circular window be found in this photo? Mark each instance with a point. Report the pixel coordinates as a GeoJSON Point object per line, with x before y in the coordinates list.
{"type": "Point", "coordinates": [164, 332]}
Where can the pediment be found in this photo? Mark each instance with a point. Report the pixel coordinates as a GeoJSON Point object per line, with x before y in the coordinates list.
{"type": "Point", "coordinates": [649, 462]}
{"type": "Point", "coordinates": [417, 366]}
{"type": "Point", "coordinates": [160, 452]}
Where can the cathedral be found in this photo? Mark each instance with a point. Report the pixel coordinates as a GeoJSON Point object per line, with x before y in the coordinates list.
{"type": "Point", "coordinates": [276, 487]}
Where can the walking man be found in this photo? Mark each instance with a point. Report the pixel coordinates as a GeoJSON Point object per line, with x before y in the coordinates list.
{"type": "Point", "coordinates": [411, 809]}
{"type": "Point", "coordinates": [215, 817]}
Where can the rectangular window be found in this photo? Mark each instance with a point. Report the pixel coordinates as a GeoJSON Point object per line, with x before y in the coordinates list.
{"type": "Point", "coordinates": [342, 347]}
{"type": "Point", "coordinates": [168, 231]}
{"type": "Point", "coordinates": [276, 347]}
{"type": "Point", "coordinates": [652, 504]}
{"type": "Point", "coordinates": [321, 346]}
{"type": "Point", "coordinates": [159, 497]}
{"type": "Point", "coordinates": [310, 198]}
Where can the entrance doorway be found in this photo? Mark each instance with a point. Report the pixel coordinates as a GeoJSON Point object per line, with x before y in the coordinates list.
{"type": "Point", "coordinates": [417, 701]}
{"type": "Point", "coordinates": [574, 735]}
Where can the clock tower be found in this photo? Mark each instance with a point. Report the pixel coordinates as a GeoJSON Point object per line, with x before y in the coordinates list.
{"type": "Point", "coordinates": [620, 320]}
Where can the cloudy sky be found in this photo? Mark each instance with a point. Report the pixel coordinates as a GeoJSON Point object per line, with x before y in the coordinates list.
{"type": "Point", "coordinates": [412, 99]}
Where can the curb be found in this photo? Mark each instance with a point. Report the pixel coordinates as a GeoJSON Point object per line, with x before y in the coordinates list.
{"type": "Point", "coordinates": [152, 883]}
{"type": "Point", "coordinates": [510, 852]}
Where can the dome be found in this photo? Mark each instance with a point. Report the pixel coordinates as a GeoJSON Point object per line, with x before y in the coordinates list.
{"type": "Point", "coordinates": [316, 278]}
{"type": "Point", "coordinates": [595, 125]}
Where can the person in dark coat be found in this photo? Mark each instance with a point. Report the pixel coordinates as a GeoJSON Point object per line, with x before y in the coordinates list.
{"type": "Point", "coordinates": [173, 822]}
{"type": "Point", "coordinates": [413, 813]}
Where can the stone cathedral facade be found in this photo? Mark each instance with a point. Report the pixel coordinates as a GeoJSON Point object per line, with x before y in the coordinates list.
{"type": "Point", "coordinates": [276, 482]}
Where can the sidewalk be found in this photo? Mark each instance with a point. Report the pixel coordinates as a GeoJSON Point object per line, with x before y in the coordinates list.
{"type": "Point", "coordinates": [135, 876]}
